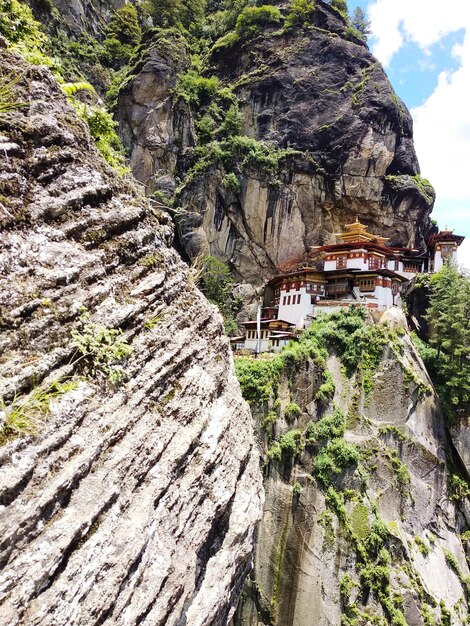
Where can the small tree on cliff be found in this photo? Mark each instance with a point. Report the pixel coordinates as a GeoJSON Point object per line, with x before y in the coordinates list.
{"type": "Point", "coordinates": [360, 22]}
{"type": "Point", "coordinates": [185, 13]}
{"type": "Point", "coordinates": [123, 34]}
{"type": "Point", "coordinates": [449, 322]}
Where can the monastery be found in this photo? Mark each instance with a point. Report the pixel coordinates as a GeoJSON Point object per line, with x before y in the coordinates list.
{"type": "Point", "coordinates": [359, 270]}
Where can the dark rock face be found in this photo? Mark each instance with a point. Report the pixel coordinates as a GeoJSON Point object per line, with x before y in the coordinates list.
{"type": "Point", "coordinates": [135, 502]}
{"type": "Point", "coordinates": [314, 91]}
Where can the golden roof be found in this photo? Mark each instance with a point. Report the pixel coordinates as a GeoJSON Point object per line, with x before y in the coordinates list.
{"type": "Point", "coordinates": [357, 231]}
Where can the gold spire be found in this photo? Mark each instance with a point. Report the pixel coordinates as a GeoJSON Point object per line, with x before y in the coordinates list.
{"type": "Point", "coordinates": [357, 232]}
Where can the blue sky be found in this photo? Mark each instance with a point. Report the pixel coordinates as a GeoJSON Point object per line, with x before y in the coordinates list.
{"type": "Point", "coordinates": [424, 47]}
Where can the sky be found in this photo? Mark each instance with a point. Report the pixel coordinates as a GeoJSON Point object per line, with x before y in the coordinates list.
{"type": "Point", "coordinates": [424, 46]}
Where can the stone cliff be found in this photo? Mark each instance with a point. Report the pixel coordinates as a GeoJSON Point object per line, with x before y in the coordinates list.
{"type": "Point", "coordinates": [323, 139]}
{"type": "Point", "coordinates": [129, 482]}
{"type": "Point", "coordinates": [362, 520]}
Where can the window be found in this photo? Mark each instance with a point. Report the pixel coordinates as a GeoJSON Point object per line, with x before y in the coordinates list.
{"type": "Point", "coordinates": [341, 262]}
{"type": "Point", "coordinates": [367, 284]}
{"type": "Point", "coordinates": [288, 300]}
{"type": "Point", "coordinates": [298, 299]}
{"type": "Point", "coordinates": [284, 300]}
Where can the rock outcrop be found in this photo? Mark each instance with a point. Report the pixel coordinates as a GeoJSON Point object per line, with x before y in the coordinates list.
{"type": "Point", "coordinates": [371, 536]}
{"type": "Point", "coordinates": [316, 92]}
{"type": "Point", "coordinates": [136, 498]}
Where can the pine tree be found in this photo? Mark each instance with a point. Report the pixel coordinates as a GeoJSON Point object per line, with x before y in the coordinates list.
{"type": "Point", "coordinates": [360, 22]}
{"type": "Point", "coordinates": [449, 322]}
{"type": "Point", "coordinates": [123, 34]}
{"type": "Point", "coordinates": [124, 26]}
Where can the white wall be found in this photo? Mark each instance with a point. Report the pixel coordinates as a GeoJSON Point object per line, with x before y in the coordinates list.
{"type": "Point", "coordinates": [295, 313]}
{"type": "Point", "coordinates": [357, 264]}
{"type": "Point", "coordinates": [438, 262]}
{"type": "Point", "coordinates": [265, 344]}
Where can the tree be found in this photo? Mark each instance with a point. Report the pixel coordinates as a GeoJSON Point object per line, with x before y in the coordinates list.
{"type": "Point", "coordinates": [218, 288]}
{"type": "Point", "coordinates": [449, 322]}
{"type": "Point", "coordinates": [185, 13]}
{"type": "Point", "coordinates": [123, 34]}
{"type": "Point", "coordinates": [360, 22]}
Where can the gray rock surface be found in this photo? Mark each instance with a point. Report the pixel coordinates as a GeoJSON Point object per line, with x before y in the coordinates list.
{"type": "Point", "coordinates": [316, 90]}
{"type": "Point", "coordinates": [302, 550]}
{"type": "Point", "coordinates": [134, 503]}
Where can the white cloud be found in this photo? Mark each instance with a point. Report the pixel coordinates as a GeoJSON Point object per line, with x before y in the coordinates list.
{"type": "Point", "coordinates": [423, 22]}
{"type": "Point", "coordinates": [442, 122]}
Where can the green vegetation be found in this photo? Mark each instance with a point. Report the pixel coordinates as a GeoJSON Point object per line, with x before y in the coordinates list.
{"type": "Point", "coordinates": [103, 350]}
{"type": "Point", "coordinates": [292, 411]}
{"type": "Point", "coordinates": [123, 35]}
{"type": "Point", "coordinates": [341, 6]}
{"type": "Point", "coordinates": [391, 429]}
{"type": "Point", "coordinates": [425, 187]}
{"type": "Point", "coordinates": [459, 489]}
{"type": "Point", "coordinates": [330, 427]}
{"type": "Point", "coordinates": [336, 456]}
{"type": "Point", "coordinates": [103, 130]}
{"type": "Point", "coordinates": [26, 414]}
{"type": "Point", "coordinates": [8, 99]}
{"type": "Point", "coordinates": [23, 32]}
{"type": "Point", "coordinates": [185, 14]}
{"type": "Point", "coordinates": [360, 22]}
{"type": "Point", "coordinates": [26, 36]}
{"type": "Point", "coordinates": [449, 303]}
{"type": "Point", "coordinates": [327, 388]}
{"type": "Point", "coordinates": [300, 14]}
{"type": "Point", "coordinates": [252, 18]}
{"type": "Point", "coordinates": [217, 285]}
{"type": "Point", "coordinates": [422, 546]}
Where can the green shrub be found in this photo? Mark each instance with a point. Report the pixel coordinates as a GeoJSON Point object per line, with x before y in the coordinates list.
{"type": "Point", "coordinates": [218, 288]}
{"type": "Point", "coordinates": [258, 378]}
{"type": "Point", "coordinates": [103, 350]}
{"type": "Point", "coordinates": [300, 14]}
{"type": "Point", "coordinates": [459, 488]}
{"type": "Point", "coordinates": [296, 490]}
{"type": "Point", "coordinates": [290, 443]}
{"type": "Point", "coordinates": [195, 88]}
{"type": "Point", "coordinates": [23, 32]}
{"type": "Point", "coordinates": [252, 18]}
{"type": "Point", "coordinates": [336, 456]}
{"type": "Point", "coordinates": [231, 182]}
{"type": "Point", "coordinates": [327, 388]}
{"type": "Point", "coordinates": [292, 411]}
{"type": "Point", "coordinates": [329, 427]}
{"type": "Point", "coordinates": [232, 123]}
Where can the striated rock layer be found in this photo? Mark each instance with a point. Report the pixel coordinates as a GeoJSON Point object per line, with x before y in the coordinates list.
{"type": "Point", "coordinates": [135, 502]}
{"type": "Point", "coordinates": [317, 91]}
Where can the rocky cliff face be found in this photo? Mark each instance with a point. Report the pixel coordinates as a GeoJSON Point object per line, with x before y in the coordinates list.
{"type": "Point", "coordinates": [75, 17]}
{"type": "Point", "coordinates": [317, 93]}
{"type": "Point", "coordinates": [360, 524]}
{"type": "Point", "coordinates": [129, 483]}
